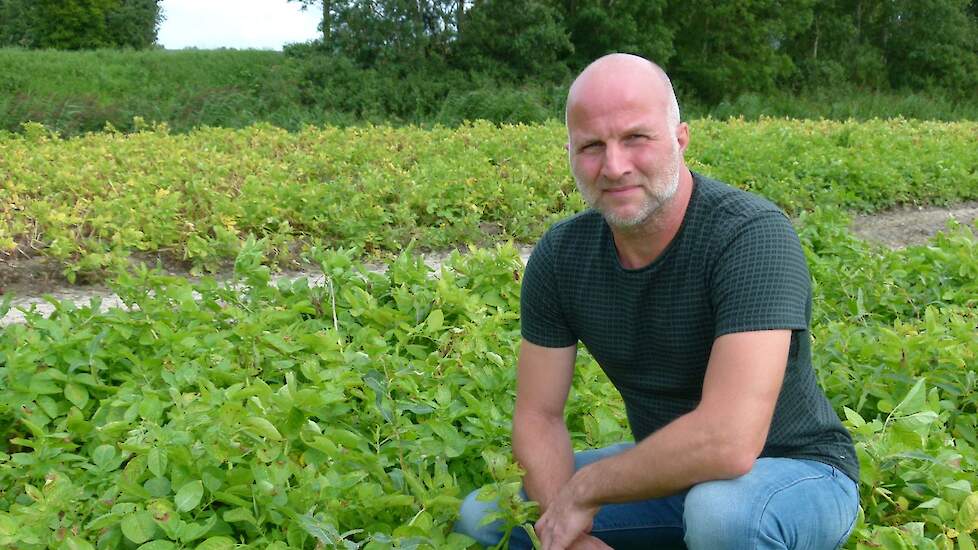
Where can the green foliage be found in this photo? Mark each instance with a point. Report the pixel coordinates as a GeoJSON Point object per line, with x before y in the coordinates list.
{"type": "Point", "coordinates": [894, 340]}
{"type": "Point", "coordinates": [78, 92]}
{"type": "Point", "coordinates": [521, 39]}
{"type": "Point", "coordinates": [502, 106]}
{"type": "Point", "coordinates": [901, 44]}
{"type": "Point", "coordinates": [932, 41]}
{"type": "Point", "coordinates": [357, 410]}
{"type": "Point", "coordinates": [378, 33]}
{"type": "Point", "coordinates": [295, 414]}
{"type": "Point", "coordinates": [79, 24]}
{"type": "Point", "coordinates": [599, 27]}
{"type": "Point", "coordinates": [93, 203]}
{"type": "Point", "coordinates": [745, 51]}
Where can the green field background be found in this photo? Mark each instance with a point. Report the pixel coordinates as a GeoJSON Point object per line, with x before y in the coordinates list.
{"type": "Point", "coordinates": [357, 411]}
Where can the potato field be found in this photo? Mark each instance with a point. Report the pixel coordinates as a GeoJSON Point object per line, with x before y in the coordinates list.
{"type": "Point", "coordinates": [239, 411]}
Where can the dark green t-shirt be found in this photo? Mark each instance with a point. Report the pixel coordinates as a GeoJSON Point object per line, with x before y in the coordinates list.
{"type": "Point", "coordinates": [735, 265]}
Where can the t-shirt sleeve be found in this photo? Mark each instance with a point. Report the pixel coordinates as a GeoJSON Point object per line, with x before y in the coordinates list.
{"type": "Point", "coordinates": [542, 320]}
{"type": "Point", "coordinates": [761, 280]}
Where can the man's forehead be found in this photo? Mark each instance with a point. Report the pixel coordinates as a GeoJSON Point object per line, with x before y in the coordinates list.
{"type": "Point", "coordinates": [606, 89]}
{"type": "Point", "coordinates": [618, 70]}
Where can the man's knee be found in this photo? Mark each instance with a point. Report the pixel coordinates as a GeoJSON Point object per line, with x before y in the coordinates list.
{"type": "Point", "coordinates": [470, 518]}
{"type": "Point", "coordinates": [714, 514]}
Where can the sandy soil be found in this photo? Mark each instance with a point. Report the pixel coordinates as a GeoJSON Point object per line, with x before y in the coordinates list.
{"type": "Point", "coordinates": [29, 279]}
{"type": "Point", "coordinates": [908, 226]}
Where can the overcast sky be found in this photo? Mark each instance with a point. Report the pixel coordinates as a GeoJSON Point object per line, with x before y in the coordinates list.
{"type": "Point", "coordinates": [259, 24]}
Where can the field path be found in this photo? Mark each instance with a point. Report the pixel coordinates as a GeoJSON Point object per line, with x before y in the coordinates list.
{"type": "Point", "coordinates": [82, 295]}
{"type": "Point", "coordinates": [896, 229]}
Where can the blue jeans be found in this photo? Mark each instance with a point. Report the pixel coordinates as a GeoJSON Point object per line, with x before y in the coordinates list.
{"type": "Point", "coordinates": [780, 503]}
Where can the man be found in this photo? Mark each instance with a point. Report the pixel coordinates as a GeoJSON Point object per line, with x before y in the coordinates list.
{"type": "Point", "coordinates": [695, 299]}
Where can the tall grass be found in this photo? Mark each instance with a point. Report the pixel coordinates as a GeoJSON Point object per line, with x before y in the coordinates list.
{"type": "Point", "coordinates": [79, 92]}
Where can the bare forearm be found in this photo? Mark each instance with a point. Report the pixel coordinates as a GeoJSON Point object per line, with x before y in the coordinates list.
{"type": "Point", "coordinates": [681, 454]}
{"type": "Point", "coordinates": [542, 447]}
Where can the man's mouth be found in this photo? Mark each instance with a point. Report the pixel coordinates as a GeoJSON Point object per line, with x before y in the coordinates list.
{"type": "Point", "coordinates": [619, 190]}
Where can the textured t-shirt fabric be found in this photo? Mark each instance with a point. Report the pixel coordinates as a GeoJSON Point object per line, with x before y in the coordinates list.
{"type": "Point", "coordinates": [735, 265]}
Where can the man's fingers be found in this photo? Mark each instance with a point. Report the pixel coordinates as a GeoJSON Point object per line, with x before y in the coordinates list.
{"type": "Point", "coordinates": [549, 535]}
{"type": "Point", "coordinates": [588, 542]}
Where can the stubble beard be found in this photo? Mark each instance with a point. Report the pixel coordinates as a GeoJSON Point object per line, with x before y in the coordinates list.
{"type": "Point", "coordinates": [657, 195]}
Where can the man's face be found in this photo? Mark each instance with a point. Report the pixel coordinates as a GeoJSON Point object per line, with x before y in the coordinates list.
{"type": "Point", "coordinates": [624, 152]}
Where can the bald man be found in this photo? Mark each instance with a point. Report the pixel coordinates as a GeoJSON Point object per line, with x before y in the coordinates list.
{"type": "Point", "coordinates": [694, 297]}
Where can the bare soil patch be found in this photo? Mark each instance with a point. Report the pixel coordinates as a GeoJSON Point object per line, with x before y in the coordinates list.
{"type": "Point", "coordinates": [908, 226]}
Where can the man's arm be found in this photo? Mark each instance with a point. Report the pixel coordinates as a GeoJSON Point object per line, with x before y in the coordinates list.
{"type": "Point", "coordinates": [541, 443]}
{"type": "Point", "coordinates": [720, 439]}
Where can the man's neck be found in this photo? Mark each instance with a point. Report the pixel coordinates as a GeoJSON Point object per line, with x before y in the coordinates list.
{"type": "Point", "coordinates": [640, 246]}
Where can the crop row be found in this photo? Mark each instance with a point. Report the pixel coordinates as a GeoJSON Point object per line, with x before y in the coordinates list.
{"type": "Point", "coordinates": [92, 203]}
{"type": "Point", "coordinates": [356, 413]}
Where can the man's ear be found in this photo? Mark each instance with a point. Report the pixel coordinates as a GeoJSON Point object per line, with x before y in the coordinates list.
{"type": "Point", "coordinates": [682, 136]}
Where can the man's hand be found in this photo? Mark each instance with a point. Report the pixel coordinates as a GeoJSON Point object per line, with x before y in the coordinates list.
{"type": "Point", "coordinates": [587, 542]}
{"type": "Point", "coordinates": [566, 521]}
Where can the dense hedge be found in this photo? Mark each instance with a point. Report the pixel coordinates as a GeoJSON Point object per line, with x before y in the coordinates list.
{"type": "Point", "coordinates": [79, 92]}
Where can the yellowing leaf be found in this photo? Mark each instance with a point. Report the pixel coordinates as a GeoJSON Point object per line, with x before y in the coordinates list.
{"type": "Point", "coordinates": [968, 514]}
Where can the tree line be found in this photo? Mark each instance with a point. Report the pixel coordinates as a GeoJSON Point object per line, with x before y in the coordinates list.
{"type": "Point", "coordinates": [718, 48]}
{"type": "Point", "coordinates": [79, 24]}
{"type": "Point", "coordinates": [445, 61]}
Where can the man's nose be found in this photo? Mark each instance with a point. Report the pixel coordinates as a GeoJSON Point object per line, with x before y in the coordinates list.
{"type": "Point", "coordinates": [616, 163]}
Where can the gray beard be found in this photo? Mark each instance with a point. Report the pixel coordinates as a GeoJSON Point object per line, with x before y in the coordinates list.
{"type": "Point", "coordinates": [653, 204]}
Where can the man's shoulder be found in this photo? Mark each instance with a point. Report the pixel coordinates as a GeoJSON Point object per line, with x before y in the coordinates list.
{"type": "Point", "coordinates": [584, 226]}
{"type": "Point", "coordinates": [723, 198]}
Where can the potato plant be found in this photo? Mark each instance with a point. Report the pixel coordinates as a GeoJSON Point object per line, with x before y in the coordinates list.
{"type": "Point", "coordinates": [355, 411]}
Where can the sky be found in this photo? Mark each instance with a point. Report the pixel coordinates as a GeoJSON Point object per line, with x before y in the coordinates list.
{"type": "Point", "coordinates": [241, 24]}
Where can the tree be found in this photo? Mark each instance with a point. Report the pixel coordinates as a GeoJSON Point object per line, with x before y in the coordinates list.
{"type": "Point", "coordinates": [326, 24]}
{"type": "Point", "coordinates": [728, 47]}
{"type": "Point", "coordinates": [931, 43]}
{"type": "Point", "coordinates": [840, 46]}
{"type": "Point", "coordinates": [896, 43]}
{"type": "Point", "coordinates": [134, 24]}
{"type": "Point", "coordinates": [513, 39]}
{"type": "Point", "coordinates": [599, 27]}
{"type": "Point", "coordinates": [379, 32]}
{"type": "Point", "coordinates": [79, 24]}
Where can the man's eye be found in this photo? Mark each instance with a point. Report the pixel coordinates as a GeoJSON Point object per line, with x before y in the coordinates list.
{"type": "Point", "coordinates": [638, 137]}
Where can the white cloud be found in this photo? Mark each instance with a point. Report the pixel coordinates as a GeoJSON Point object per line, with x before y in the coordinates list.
{"type": "Point", "coordinates": [258, 24]}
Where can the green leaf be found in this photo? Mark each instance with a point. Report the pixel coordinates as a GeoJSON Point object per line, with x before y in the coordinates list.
{"type": "Point", "coordinates": [138, 527]}
{"type": "Point", "coordinates": [157, 461]}
{"type": "Point", "coordinates": [74, 543]}
{"type": "Point", "coordinates": [104, 457]}
{"type": "Point", "coordinates": [77, 394]}
{"type": "Point", "coordinates": [216, 543]}
{"type": "Point", "coordinates": [968, 514]}
{"type": "Point", "coordinates": [890, 539]}
{"type": "Point", "coordinates": [157, 486]}
{"type": "Point", "coordinates": [239, 514]}
{"type": "Point", "coordinates": [436, 319]}
{"type": "Point", "coordinates": [158, 545]}
{"type": "Point", "coordinates": [263, 428]}
{"type": "Point", "coordinates": [853, 417]}
{"type": "Point", "coordinates": [188, 497]}
{"type": "Point", "coordinates": [914, 401]}
{"type": "Point", "coordinates": [192, 531]}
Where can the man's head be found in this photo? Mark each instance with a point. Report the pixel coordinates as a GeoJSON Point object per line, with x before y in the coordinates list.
{"type": "Point", "coordinates": [625, 139]}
